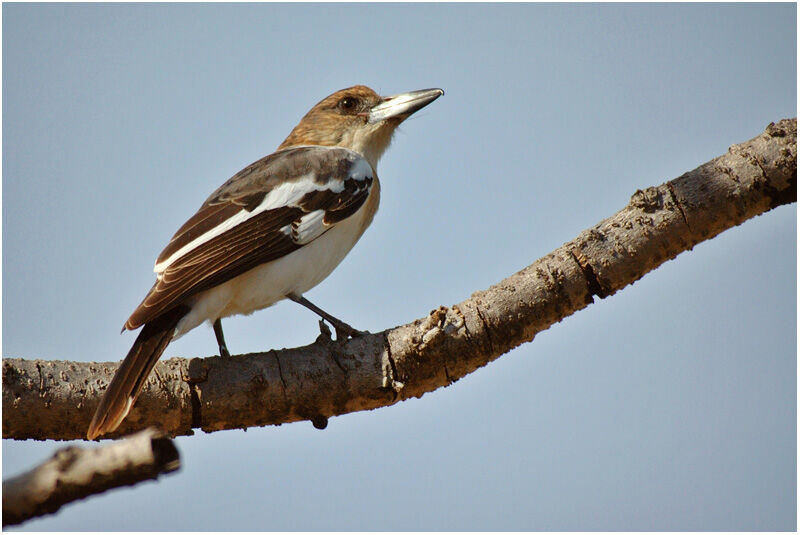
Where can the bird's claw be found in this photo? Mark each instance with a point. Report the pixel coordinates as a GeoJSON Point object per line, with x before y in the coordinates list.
{"type": "Point", "coordinates": [344, 331]}
{"type": "Point", "coordinates": [324, 332]}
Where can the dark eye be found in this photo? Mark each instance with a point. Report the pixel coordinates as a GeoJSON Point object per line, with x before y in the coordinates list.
{"type": "Point", "coordinates": [348, 104]}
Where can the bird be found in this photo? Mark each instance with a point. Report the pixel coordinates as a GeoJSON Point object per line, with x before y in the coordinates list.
{"type": "Point", "coordinates": [271, 232]}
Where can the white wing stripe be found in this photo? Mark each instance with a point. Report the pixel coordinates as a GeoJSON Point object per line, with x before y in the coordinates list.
{"type": "Point", "coordinates": [309, 227]}
{"type": "Point", "coordinates": [360, 170]}
{"type": "Point", "coordinates": [286, 194]}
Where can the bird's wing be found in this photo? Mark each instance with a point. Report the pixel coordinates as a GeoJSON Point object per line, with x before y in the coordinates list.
{"type": "Point", "coordinates": [268, 210]}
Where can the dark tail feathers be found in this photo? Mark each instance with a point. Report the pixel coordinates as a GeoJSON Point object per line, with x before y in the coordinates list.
{"type": "Point", "coordinates": [132, 373]}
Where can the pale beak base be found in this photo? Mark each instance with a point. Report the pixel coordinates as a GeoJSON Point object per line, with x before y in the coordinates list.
{"type": "Point", "coordinates": [403, 104]}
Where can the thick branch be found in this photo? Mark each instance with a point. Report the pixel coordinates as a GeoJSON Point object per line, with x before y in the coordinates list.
{"type": "Point", "coordinates": [75, 473]}
{"type": "Point", "coordinates": [52, 399]}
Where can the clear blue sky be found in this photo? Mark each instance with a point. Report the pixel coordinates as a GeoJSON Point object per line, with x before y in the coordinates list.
{"type": "Point", "coordinates": [671, 405]}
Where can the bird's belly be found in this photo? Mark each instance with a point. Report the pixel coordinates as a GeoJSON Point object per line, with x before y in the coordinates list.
{"type": "Point", "coordinates": [296, 272]}
{"type": "Point", "coordinates": [269, 283]}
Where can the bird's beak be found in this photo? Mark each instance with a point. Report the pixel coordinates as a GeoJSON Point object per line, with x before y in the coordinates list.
{"type": "Point", "coordinates": [403, 105]}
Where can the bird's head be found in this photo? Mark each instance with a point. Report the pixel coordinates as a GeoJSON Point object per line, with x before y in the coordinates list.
{"type": "Point", "coordinates": [359, 119]}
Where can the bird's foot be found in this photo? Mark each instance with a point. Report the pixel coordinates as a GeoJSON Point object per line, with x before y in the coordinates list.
{"type": "Point", "coordinates": [343, 330]}
{"type": "Point", "coordinates": [324, 332]}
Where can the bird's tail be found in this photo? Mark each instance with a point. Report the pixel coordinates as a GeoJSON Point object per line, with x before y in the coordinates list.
{"type": "Point", "coordinates": [130, 377]}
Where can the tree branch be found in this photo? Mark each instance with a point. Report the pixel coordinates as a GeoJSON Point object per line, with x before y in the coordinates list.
{"type": "Point", "coordinates": [74, 473]}
{"type": "Point", "coordinates": [56, 399]}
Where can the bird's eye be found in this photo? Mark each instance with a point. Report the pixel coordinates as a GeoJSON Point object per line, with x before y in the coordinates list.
{"type": "Point", "coordinates": [348, 103]}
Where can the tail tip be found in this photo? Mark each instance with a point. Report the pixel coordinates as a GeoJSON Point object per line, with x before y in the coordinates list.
{"type": "Point", "coordinates": [106, 420]}
{"type": "Point", "coordinates": [95, 428]}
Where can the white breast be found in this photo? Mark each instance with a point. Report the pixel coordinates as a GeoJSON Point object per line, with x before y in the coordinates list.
{"type": "Point", "coordinates": [296, 272]}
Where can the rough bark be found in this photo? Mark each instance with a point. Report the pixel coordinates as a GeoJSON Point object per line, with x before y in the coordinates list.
{"type": "Point", "coordinates": [74, 473]}
{"type": "Point", "coordinates": [55, 400]}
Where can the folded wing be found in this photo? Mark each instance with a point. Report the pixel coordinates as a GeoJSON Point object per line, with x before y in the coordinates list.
{"type": "Point", "coordinates": [268, 210]}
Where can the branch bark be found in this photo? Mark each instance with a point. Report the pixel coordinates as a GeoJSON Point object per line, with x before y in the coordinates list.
{"type": "Point", "coordinates": [56, 399]}
{"type": "Point", "coordinates": [74, 473]}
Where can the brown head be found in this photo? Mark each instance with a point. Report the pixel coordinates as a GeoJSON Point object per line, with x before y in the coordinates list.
{"type": "Point", "coordinates": [359, 119]}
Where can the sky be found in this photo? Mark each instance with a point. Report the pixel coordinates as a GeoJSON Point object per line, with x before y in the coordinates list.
{"type": "Point", "coordinates": [668, 406]}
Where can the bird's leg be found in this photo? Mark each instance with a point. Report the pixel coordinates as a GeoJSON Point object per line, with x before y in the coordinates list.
{"type": "Point", "coordinates": [223, 349]}
{"type": "Point", "coordinates": [343, 330]}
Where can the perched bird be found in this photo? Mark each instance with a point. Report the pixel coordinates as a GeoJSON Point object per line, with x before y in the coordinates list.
{"type": "Point", "coordinates": [273, 231]}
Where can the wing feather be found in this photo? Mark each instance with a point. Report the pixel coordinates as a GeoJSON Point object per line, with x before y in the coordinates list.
{"type": "Point", "coordinates": [326, 185]}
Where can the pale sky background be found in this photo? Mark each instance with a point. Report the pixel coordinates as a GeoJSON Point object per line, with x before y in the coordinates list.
{"type": "Point", "coordinates": [669, 406]}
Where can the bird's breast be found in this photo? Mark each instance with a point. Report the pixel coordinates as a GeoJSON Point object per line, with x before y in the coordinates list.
{"type": "Point", "coordinates": [296, 272]}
